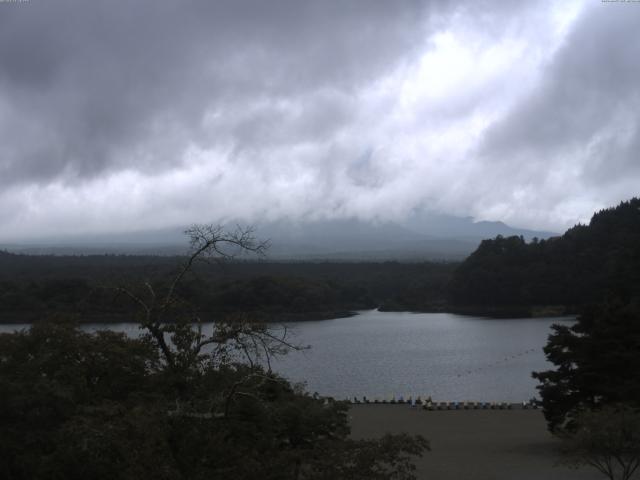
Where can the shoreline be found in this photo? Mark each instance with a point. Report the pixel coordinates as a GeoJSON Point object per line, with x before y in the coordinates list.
{"type": "Point", "coordinates": [13, 318]}
{"type": "Point", "coordinates": [498, 312]}
{"type": "Point", "coordinates": [112, 319]}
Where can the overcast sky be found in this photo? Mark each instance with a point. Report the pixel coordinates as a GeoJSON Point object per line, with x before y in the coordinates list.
{"type": "Point", "coordinates": [119, 115]}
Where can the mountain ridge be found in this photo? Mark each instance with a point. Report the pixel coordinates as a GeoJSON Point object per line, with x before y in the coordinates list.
{"type": "Point", "coordinates": [420, 236]}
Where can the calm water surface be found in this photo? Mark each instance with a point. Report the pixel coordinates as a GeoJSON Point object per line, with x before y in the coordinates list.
{"type": "Point", "coordinates": [450, 357]}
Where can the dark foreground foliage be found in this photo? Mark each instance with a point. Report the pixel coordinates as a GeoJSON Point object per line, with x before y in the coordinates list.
{"type": "Point", "coordinates": [597, 363]}
{"type": "Point", "coordinates": [75, 405]}
{"type": "Point", "coordinates": [607, 439]}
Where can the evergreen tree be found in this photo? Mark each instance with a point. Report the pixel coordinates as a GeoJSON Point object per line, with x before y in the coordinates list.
{"type": "Point", "coordinates": [597, 362]}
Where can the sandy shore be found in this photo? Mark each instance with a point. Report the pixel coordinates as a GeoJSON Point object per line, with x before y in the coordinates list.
{"type": "Point", "coordinates": [473, 444]}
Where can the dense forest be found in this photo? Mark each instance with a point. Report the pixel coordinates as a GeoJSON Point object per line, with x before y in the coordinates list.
{"type": "Point", "coordinates": [32, 287]}
{"type": "Point", "coordinates": [585, 265]}
{"type": "Point", "coordinates": [505, 276]}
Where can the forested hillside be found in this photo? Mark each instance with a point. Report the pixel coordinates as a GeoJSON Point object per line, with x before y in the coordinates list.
{"type": "Point", "coordinates": [33, 287]}
{"type": "Point", "coordinates": [586, 264]}
{"type": "Point", "coordinates": [504, 276]}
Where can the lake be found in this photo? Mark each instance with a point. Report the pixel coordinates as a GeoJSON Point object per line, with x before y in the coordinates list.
{"type": "Point", "coordinates": [450, 357]}
{"type": "Point", "coordinates": [379, 354]}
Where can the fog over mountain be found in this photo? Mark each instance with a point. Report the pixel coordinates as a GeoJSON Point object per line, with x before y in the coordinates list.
{"type": "Point", "coordinates": [117, 117]}
{"type": "Point", "coordinates": [420, 237]}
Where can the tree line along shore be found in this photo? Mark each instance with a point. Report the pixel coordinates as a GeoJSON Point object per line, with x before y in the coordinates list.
{"type": "Point", "coordinates": [503, 277]}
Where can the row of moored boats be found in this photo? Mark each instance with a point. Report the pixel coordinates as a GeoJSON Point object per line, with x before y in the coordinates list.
{"type": "Point", "coordinates": [428, 404]}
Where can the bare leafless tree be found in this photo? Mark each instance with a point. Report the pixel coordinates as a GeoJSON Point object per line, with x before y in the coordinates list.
{"type": "Point", "coordinates": [176, 326]}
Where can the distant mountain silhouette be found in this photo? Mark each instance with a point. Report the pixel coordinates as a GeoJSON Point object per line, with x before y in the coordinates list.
{"type": "Point", "coordinates": [421, 236]}
{"type": "Point", "coordinates": [449, 226]}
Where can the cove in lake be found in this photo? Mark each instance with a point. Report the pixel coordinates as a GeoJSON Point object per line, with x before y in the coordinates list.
{"type": "Point", "coordinates": [449, 357]}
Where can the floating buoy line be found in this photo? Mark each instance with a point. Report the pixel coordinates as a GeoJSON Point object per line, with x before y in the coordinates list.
{"type": "Point", "coordinates": [497, 363]}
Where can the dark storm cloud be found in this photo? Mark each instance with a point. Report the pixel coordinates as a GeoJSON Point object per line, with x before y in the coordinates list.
{"type": "Point", "coordinates": [118, 115]}
{"type": "Point", "coordinates": [86, 85]}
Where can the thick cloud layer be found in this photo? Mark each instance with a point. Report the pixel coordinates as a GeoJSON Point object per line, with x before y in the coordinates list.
{"type": "Point", "coordinates": [119, 116]}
